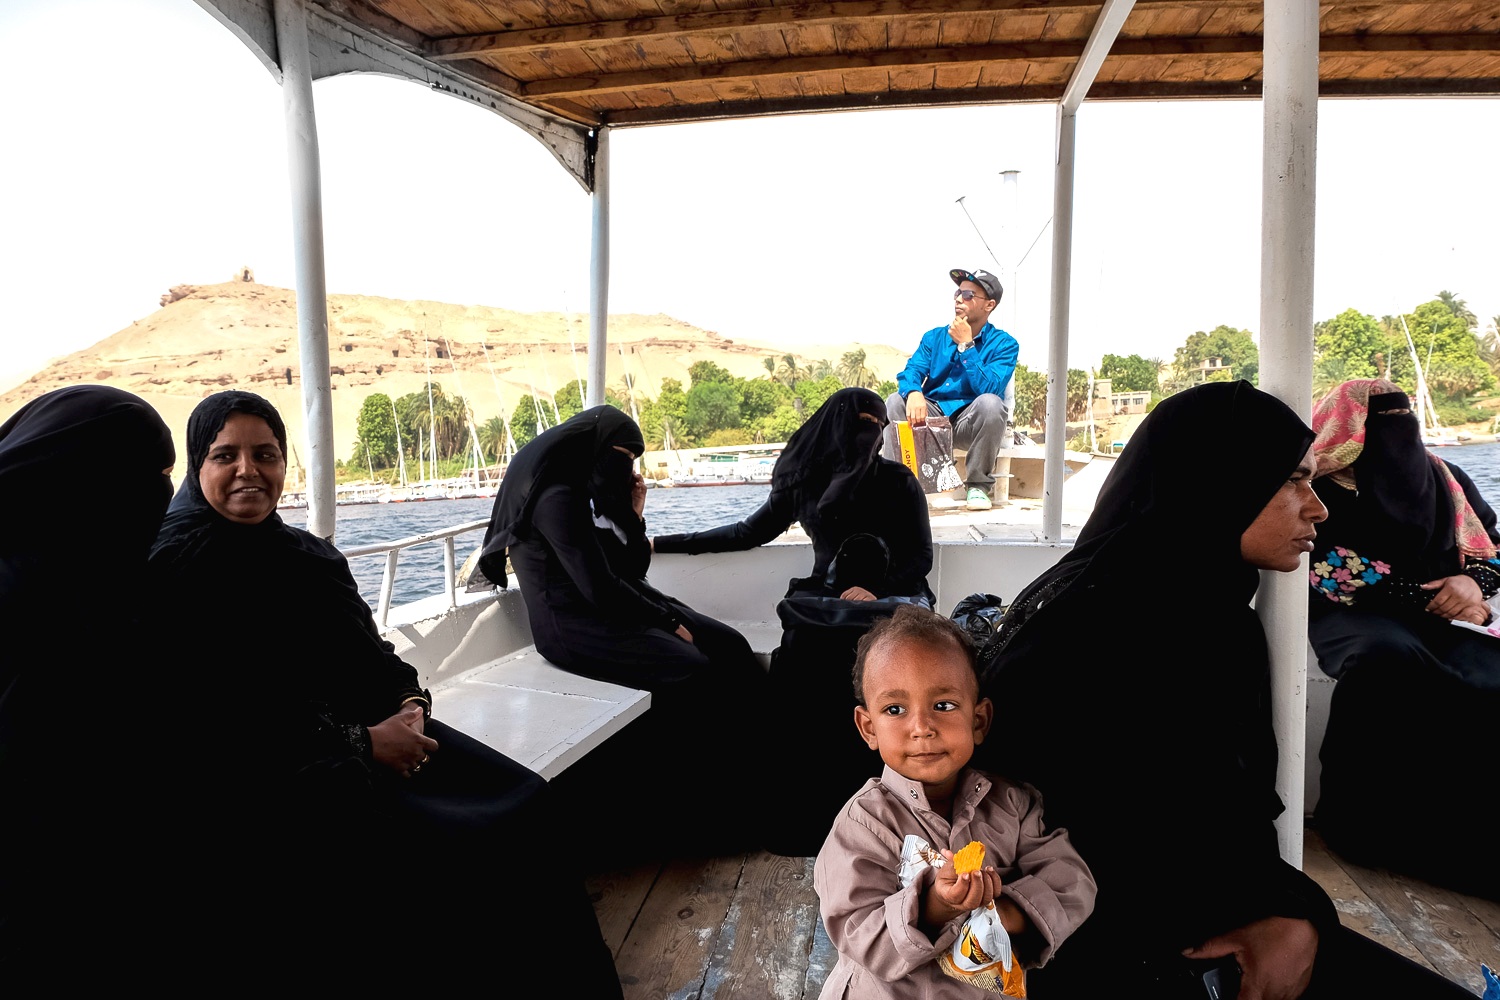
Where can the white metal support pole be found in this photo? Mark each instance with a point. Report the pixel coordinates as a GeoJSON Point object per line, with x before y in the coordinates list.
{"type": "Point", "coordinates": [307, 240]}
{"type": "Point", "coordinates": [1101, 38]}
{"type": "Point", "coordinates": [599, 274]}
{"type": "Point", "coordinates": [1057, 342]}
{"type": "Point", "coordinates": [1289, 174]}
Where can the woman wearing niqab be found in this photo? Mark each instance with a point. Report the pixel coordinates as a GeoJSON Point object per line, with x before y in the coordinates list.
{"type": "Point", "coordinates": [867, 519]}
{"type": "Point", "coordinates": [1156, 751]}
{"type": "Point", "coordinates": [569, 518]}
{"type": "Point", "coordinates": [323, 790]}
{"type": "Point", "coordinates": [866, 516]}
{"type": "Point", "coordinates": [83, 485]}
{"type": "Point", "coordinates": [1409, 547]}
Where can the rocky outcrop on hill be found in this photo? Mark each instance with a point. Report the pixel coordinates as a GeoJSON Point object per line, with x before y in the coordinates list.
{"type": "Point", "coordinates": [241, 334]}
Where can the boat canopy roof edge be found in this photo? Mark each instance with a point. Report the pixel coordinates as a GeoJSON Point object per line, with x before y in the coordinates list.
{"type": "Point", "coordinates": [338, 46]}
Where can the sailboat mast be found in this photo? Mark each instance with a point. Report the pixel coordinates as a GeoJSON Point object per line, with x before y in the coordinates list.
{"type": "Point", "coordinates": [400, 453]}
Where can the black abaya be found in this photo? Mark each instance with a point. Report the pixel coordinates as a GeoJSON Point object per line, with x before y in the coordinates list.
{"type": "Point", "coordinates": [868, 523]}
{"type": "Point", "coordinates": [83, 486]}
{"type": "Point", "coordinates": [1417, 698]}
{"type": "Point", "coordinates": [831, 480]}
{"type": "Point", "coordinates": [1158, 756]}
{"type": "Point", "coordinates": [288, 672]}
{"type": "Point", "coordinates": [580, 555]}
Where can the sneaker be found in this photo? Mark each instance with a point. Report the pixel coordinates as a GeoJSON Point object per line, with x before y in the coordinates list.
{"type": "Point", "coordinates": [977, 499]}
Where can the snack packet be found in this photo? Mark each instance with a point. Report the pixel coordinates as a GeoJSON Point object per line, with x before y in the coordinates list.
{"type": "Point", "coordinates": [981, 956]}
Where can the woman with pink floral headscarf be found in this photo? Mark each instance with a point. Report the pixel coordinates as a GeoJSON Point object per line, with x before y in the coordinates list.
{"type": "Point", "coordinates": [1408, 550]}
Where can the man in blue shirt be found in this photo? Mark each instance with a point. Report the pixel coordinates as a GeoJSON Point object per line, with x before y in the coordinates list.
{"type": "Point", "coordinates": [960, 371]}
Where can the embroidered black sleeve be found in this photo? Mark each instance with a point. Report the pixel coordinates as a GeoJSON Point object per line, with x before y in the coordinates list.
{"type": "Point", "coordinates": [1486, 573]}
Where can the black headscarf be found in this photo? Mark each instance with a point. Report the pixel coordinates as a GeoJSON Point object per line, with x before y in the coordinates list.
{"type": "Point", "coordinates": [579, 452]}
{"type": "Point", "coordinates": [1195, 475]}
{"type": "Point", "coordinates": [828, 457]}
{"type": "Point", "coordinates": [88, 461]}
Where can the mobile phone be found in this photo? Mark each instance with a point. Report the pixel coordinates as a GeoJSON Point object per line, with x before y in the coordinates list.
{"type": "Point", "coordinates": [1220, 977]}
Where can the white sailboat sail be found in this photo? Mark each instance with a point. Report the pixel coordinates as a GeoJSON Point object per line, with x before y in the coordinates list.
{"type": "Point", "coordinates": [1433, 432]}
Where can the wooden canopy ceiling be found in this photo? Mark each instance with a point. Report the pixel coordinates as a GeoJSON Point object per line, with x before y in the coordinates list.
{"type": "Point", "coordinates": [636, 62]}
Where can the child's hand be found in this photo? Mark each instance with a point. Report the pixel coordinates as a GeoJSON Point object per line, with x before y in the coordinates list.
{"type": "Point", "coordinates": [952, 895]}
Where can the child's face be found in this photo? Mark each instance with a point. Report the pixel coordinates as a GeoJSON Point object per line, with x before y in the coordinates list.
{"type": "Point", "coordinates": [922, 711]}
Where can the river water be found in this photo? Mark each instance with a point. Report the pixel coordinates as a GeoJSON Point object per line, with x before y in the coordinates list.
{"type": "Point", "coordinates": [420, 572]}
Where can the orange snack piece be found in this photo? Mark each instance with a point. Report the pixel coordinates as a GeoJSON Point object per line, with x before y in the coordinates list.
{"type": "Point", "coordinates": [970, 859]}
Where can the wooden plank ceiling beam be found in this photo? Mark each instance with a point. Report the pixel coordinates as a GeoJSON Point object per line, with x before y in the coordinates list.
{"type": "Point", "coordinates": [1048, 93]}
{"type": "Point", "coordinates": [1035, 52]}
{"type": "Point", "coordinates": [645, 28]}
{"type": "Point", "coordinates": [636, 29]}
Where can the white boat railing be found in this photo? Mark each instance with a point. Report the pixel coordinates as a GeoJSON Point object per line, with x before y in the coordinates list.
{"type": "Point", "coordinates": [392, 552]}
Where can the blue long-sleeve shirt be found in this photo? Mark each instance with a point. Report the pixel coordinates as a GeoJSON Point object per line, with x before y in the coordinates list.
{"type": "Point", "coordinates": [952, 380]}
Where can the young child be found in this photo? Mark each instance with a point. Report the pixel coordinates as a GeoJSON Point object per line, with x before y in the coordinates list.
{"type": "Point", "coordinates": [919, 705]}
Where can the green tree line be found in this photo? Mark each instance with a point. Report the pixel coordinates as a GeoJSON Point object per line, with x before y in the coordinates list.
{"type": "Point", "coordinates": [716, 408]}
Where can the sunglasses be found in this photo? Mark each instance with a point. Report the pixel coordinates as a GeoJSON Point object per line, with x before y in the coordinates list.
{"type": "Point", "coordinates": [964, 295]}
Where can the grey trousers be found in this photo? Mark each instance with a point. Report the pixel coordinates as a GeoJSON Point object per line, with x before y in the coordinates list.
{"type": "Point", "coordinates": [980, 428]}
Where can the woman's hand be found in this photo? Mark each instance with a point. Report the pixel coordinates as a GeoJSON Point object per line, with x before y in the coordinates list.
{"type": "Point", "coordinates": [684, 634]}
{"type": "Point", "coordinates": [638, 494]}
{"type": "Point", "coordinates": [1458, 598]}
{"type": "Point", "coordinates": [398, 742]}
{"type": "Point", "coordinates": [857, 594]}
{"type": "Point", "coordinates": [1275, 955]}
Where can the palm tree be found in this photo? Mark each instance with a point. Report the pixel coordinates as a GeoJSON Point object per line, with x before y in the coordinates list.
{"type": "Point", "coordinates": [492, 435]}
{"type": "Point", "coordinates": [1489, 345]}
{"type": "Point", "coordinates": [853, 372]}
{"type": "Point", "coordinates": [788, 373]}
{"type": "Point", "coordinates": [821, 370]}
{"type": "Point", "coordinates": [1458, 307]}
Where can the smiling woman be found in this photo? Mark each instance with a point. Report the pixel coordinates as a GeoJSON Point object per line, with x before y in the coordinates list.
{"type": "Point", "coordinates": [324, 752]}
{"type": "Point", "coordinates": [245, 469]}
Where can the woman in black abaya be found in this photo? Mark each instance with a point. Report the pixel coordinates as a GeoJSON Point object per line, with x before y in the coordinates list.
{"type": "Point", "coordinates": [865, 515]}
{"type": "Point", "coordinates": [867, 519]}
{"type": "Point", "coordinates": [321, 785]}
{"type": "Point", "coordinates": [1155, 751]}
{"type": "Point", "coordinates": [1409, 547]}
{"type": "Point", "coordinates": [83, 485]}
{"type": "Point", "coordinates": [570, 517]}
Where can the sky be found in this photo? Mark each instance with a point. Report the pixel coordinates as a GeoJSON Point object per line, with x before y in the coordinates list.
{"type": "Point", "coordinates": [150, 151]}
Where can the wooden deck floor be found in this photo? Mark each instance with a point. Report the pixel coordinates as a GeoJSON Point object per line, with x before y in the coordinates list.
{"type": "Point", "coordinates": [746, 927]}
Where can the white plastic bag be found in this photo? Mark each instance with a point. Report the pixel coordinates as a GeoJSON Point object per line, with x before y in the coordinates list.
{"type": "Point", "coordinates": [981, 955]}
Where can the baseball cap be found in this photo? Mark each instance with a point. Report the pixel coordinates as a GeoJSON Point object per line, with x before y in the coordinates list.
{"type": "Point", "coordinates": [983, 279]}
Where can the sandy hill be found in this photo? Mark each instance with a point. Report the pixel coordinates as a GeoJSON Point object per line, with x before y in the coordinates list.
{"type": "Point", "coordinates": [244, 335]}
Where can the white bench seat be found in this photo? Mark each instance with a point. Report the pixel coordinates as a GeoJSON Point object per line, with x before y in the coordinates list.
{"type": "Point", "coordinates": [545, 717]}
{"type": "Point", "coordinates": [535, 713]}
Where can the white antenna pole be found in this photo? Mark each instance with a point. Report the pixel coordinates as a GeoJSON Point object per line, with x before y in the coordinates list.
{"type": "Point", "coordinates": [1009, 233]}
